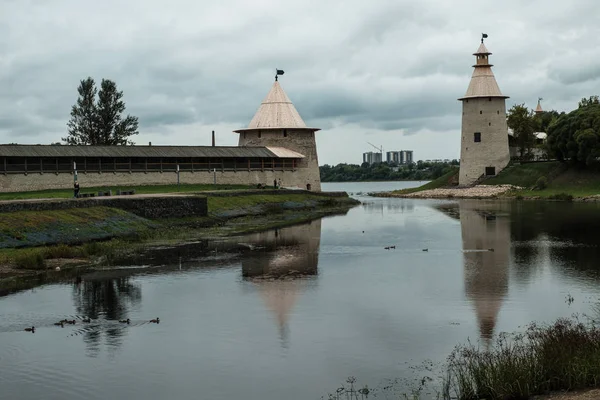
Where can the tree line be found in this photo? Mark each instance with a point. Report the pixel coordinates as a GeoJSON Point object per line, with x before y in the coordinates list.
{"type": "Point", "coordinates": [419, 171]}
{"type": "Point", "coordinates": [572, 137]}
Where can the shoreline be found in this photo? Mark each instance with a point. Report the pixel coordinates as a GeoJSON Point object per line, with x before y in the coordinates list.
{"type": "Point", "coordinates": [486, 192]}
{"type": "Point", "coordinates": [228, 216]}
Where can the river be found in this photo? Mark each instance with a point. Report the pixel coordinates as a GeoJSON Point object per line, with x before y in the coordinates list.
{"type": "Point", "coordinates": [291, 313]}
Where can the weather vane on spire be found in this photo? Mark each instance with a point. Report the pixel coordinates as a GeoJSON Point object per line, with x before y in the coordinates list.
{"type": "Point", "coordinates": [278, 72]}
{"type": "Point", "coordinates": [540, 99]}
{"type": "Point", "coordinates": [483, 36]}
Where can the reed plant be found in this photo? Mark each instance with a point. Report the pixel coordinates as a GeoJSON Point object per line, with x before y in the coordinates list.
{"type": "Point", "coordinates": [564, 356]}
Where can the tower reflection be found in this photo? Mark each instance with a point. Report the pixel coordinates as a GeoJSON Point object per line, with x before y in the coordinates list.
{"type": "Point", "coordinates": [282, 267]}
{"type": "Point", "coordinates": [485, 231]}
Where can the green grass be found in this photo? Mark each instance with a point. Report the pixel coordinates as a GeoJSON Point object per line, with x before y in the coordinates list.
{"type": "Point", "coordinates": [564, 182]}
{"type": "Point", "coordinates": [442, 181]}
{"type": "Point", "coordinates": [219, 205]}
{"type": "Point", "coordinates": [524, 175]}
{"type": "Point", "coordinates": [35, 228]}
{"type": "Point", "coordinates": [233, 215]}
{"type": "Point", "coordinates": [68, 193]}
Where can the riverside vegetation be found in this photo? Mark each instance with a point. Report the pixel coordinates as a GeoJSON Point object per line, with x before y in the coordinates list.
{"type": "Point", "coordinates": [33, 241]}
{"type": "Point", "coordinates": [543, 360]}
{"type": "Point", "coordinates": [419, 171]}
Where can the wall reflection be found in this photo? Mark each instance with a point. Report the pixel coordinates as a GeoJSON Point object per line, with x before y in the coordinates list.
{"type": "Point", "coordinates": [397, 206]}
{"type": "Point", "coordinates": [282, 267]}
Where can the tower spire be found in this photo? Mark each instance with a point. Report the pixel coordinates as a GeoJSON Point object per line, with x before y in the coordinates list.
{"type": "Point", "coordinates": [538, 109]}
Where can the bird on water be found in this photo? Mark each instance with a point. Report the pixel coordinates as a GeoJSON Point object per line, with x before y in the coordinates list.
{"type": "Point", "coordinates": [155, 321]}
{"type": "Point", "coordinates": [125, 321]}
{"type": "Point", "coordinates": [32, 329]}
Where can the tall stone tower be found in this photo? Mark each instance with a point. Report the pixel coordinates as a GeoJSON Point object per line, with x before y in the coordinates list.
{"type": "Point", "coordinates": [278, 124]}
{"type": "Point", "coordinates": [484, 137]}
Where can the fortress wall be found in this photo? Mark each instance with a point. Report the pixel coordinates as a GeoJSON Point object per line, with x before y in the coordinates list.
{"type": "Point", "coordinates": [37, 181]}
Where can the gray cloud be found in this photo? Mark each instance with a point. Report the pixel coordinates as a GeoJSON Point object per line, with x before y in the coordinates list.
{"type": "Point", "coordinates": [385, 70]}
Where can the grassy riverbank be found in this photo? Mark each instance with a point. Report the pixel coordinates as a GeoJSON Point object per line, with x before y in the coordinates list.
{"type": "Point", "coordinates": [560, 181]}
{"type": "Point", "coordinates": [443, 181]}
{"type": "Point", "coordinates": [543, 180]}
{"type": "Point", "coordinates": [35, 242]}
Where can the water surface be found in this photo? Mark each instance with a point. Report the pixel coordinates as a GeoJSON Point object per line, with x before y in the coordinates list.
{"type": "Point", "coordinates": [290, 313]}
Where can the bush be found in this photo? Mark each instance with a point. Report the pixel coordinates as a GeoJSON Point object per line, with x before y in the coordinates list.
{"type": "Point", "coordinates": [561, 197]}
{"type": "Point", "coordinates": [60, 251]}
{"type": "Point", "coordinates": [541, 183]}
{"type": "Point", "coordinates": [30, 260]}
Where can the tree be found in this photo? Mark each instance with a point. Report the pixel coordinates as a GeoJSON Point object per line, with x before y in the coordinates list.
{"type": "Point", "coordinates": [575, 136]}
{"type": "Point", "coordinates": [82, 125]}
{"type": "Point", "coordinates": [544, 120]}
{"type": "Point", "coordinates": [520, 120]}
{"type": "Point", "coordinates": [589, 101]}
{"type": "Point", "coordinates": [112, 129]}
{"type": "Point", "coordinates": [101, 122]}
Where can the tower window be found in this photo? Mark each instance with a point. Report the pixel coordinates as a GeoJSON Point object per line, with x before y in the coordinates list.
{"type": "Point", "coordinates": [490, 171]}
{"type": "Point", "coordinates": [498, 112]}
{"type": "Point", "coordinates": [477, 137]}
{"type": "Point", "coordinates": [259, 134]}
{"type": "Point", "coordinates": [480, 112]}
{"type": "Point", "coordinates": [489, 123]}
{"type": "Point", "coordinates": [285, 133]}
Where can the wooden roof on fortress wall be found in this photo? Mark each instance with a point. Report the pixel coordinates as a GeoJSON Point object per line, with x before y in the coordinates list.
{"type": "Point", "coordinates": [146, 151]}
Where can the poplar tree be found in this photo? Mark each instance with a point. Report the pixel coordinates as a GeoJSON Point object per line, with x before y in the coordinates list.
{"type": "Point", "coordinates": [101, 121]}
{"type": "Point", "coordinates": [82, 125]}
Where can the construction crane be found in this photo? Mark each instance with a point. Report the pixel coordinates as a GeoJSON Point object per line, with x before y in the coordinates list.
{"type": "Point", "coordinates": [380, 149]}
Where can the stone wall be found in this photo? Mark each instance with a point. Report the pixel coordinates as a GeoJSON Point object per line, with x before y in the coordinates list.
{"type": "Point", "coordinates": [166, 206]}
{"type": "Point", "coordinates": [486, 115]}
{"type": "Point", "coordinates": [299, 140]}
{"type": "Point", "coordinates": [37, 181]}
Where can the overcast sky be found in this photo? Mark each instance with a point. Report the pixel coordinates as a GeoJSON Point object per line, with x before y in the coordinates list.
{"type": "Point", "coordinates": [381, 71]}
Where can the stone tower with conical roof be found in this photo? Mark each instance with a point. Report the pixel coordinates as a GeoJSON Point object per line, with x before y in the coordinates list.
{"type": "Point", "coordinates": [278, 124]}
{"type": "Point", "coordinates": [484, 138]}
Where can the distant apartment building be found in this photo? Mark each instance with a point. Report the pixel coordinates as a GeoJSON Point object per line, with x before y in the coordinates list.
{"type": "Point", "coordinates": [372, 158]}
{"type": "Point", "coordinates": [401, 157]}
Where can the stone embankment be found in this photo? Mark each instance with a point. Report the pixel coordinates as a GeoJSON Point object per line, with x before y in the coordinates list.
{"type": "Point", "coordinates": [475, 192]}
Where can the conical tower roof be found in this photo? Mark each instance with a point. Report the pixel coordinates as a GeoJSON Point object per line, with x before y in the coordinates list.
{"type": "Point", "coordinates": [277, 112]}
{"type": "Point", "coordinates": [483, 82]}
{"type": "Point", "coordinates": [482, 50]}
{"type": "Point", "coordinates": [538, 109]}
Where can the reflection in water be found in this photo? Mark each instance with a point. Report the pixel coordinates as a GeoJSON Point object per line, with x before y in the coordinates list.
{"type": "Point", "coordinates": [106, 298]}
{"type": "Point", "coordinates": [283, 267]}
{"type": "Point", "coordinates": [486, 246]}
{"type": "Point", "coordinates": [395, 207]}
{"type": "Point", "coordinates": [486, 255]}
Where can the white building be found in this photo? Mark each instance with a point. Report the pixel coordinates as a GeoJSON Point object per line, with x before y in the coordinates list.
{"type": "Point", "coordinates": [372, 158]}
{"type": "Point", "coordinates": [401, 157]}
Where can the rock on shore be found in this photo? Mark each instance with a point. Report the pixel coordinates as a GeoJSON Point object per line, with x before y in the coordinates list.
{"type": "Point", "coordinates": [475, 192]}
